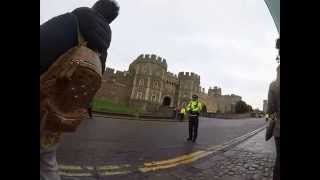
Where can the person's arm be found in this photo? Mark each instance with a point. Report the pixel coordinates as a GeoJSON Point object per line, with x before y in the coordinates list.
{"type": "Point", "coordinates": [57, 35]}
{"type": "Point", "coordinates": [188, 108]}
{"type": "Point", "coordinates": [198, 108]}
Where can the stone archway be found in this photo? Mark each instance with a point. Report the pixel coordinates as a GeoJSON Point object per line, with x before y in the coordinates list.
{"type": "Point", "coordinates": [166, 101]}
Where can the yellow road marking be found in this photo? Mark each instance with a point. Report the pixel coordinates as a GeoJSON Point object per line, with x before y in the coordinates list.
{"type": "Point", "coordinates": [155, 165]}
{"type": "Point", "coordinates": [154, 168]}
{"type": "Point", "coordinates": [107, 173]}
{"type": "Point", "coordinates": [173, 160]}
{"type": "Point", "coordinates": [74, 174]}
{"type": "Point", "coordinates": [89, 167]}
{"type": "Point", "coordinates": [70, 167]}
{"type": "Point", "coordinates": [112, 167]}
{"type": "Point", "coordinates": [218, 147]}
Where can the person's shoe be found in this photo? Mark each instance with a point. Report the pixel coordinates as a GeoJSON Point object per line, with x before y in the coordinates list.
{"type": "Point", "coordinates": [189, 139]}
{"type": "Point", "coordinates": [193, 140]}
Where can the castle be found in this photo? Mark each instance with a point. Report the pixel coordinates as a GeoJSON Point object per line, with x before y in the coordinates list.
{"type": "Point", "coordinates": [148, 84]}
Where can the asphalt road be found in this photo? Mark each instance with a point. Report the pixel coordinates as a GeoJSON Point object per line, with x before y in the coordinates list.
{"type": "Point", "coordinates": [106, 141]}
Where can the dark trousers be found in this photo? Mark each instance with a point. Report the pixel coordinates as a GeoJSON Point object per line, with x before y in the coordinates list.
{"type": "Point", "coordinates": [90, 112]}
{"type": "Point", "coordinates": [276, 168]}
{"type": "Point", "coordinates": [181, 116]}
{"type": "Point", "coordinates": [193, 127]}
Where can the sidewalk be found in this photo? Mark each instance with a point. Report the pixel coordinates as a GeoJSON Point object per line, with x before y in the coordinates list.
{"type": "Point", "coordinates": [164, 119]}
{"type": "Point", "coordinates": [253, 159]}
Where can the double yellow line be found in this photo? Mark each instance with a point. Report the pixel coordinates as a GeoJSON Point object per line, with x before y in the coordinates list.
{"type": "Point", "coordinates": [188, 158]}
{"type": "Point", "coordinates": [184, 159]}
{"type": "Point", "coordinates": [108, 170]}
{"type": "Point", "coordinates": [68, 170]}
{"type": "Point", "coordinates": [149, 166]}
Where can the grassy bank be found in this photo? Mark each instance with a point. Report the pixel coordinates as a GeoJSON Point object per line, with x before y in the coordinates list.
{"type": "Point", "coordinates": [104, 105]}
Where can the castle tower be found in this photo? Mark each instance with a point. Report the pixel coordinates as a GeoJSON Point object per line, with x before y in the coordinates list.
{"type": "Point", "coordinates": [265, 106]}
{"type": "Point", "coordinates": [189, 84]}
{"type": "Point", "coordinates": [149, 74]}
{"type": "Point", "coordinates": [215, 91]}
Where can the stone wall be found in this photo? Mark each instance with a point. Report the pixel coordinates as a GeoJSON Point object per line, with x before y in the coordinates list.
{"type": "Point", "coordinates": [115, 87]}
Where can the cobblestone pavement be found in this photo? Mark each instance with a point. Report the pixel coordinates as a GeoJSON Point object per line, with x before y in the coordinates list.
{"type": "Point", "coordinates": [252, 159]}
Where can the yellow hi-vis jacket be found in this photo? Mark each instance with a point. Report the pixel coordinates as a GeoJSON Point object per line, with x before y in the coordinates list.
{"type": "Point", "coordinates": [183, 111]}
{"type": "Point", "coordinates": [194, 106]}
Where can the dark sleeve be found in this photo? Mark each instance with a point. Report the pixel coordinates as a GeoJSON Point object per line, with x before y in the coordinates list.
{"type": "Point", "coordinates": [103, 59]}
{"type": "Point", "coordinates": [94, 29]}
{"type": "Point", "coordinates": [56, 36]}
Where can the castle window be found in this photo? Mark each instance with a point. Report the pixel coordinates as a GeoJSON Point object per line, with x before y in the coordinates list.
{"type": "Point", "coordinates": [141, 82]}
{"type": "Point", "coordinates": [156, 84]}
{"type": "Point", "coordinates": [139, 95]}
{"type": "Point", "coordinates": [154, 98]}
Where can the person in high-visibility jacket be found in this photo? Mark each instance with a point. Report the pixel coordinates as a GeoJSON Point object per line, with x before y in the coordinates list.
{"type": "Point", "coordinates": [194, 108]}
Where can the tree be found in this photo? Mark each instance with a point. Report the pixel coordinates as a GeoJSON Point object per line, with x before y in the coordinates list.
{"type": "Point", "coordinates": [242, 107]}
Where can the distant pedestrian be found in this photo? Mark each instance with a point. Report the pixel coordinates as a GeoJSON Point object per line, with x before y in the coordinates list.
{"type": "Point", "coordinates": [194, 108]}
{"type": "Point", "coordinates": [90, 109]}
{"type": "Point", "coordinates": [182, 113]}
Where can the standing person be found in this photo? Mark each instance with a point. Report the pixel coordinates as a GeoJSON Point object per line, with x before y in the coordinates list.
{"type": "Point", "coordinates": [90, 109]}
{"type": "Point", "coordinates": [194, 108]}
{"type": "Point", "coordinates": [182, 113]}
{"type": "Point", "coordinates": [274, 112]}
{"type": "Point", "coordinates": [57, 36]}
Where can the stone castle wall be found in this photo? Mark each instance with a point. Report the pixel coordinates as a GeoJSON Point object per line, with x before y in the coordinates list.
{"type": "Point", "coordinates": [149, 85]}
{"type": "Point", "coordinates": [116, 86]}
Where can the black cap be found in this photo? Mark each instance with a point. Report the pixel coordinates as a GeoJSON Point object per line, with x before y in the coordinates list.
{"type": "Point", "coordinates": [109, 9]}
{"type": "Point", "coordinates": [194, 96]}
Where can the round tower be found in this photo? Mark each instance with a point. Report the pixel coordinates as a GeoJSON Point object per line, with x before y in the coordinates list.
{"type": "Point", "coordinates": [149, 73]}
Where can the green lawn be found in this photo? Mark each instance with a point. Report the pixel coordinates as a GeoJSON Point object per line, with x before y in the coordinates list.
{"type": "Point", "coordinates": [104, 105]}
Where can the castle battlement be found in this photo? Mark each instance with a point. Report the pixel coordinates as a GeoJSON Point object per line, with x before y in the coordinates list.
{"type": "Point", "coordinates": [121, 73]}
{"type": "Point", "coordinates": [151, 58]}
{"type": "Point", "coordinates": [172, 77]}
{"type": "Point", "coordinates": [189, 75]}
{"type": "Point", "coordinates": [109, 70]}
{"type": "Point", "coordinates": [215, 91]}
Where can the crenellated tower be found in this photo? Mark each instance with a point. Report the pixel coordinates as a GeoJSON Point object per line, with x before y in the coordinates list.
{"type": "Point", "coordinates": [189, 84]}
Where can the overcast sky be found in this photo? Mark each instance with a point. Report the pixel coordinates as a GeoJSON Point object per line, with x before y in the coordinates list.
{"type": "Point", "coordinates": [229, 43]}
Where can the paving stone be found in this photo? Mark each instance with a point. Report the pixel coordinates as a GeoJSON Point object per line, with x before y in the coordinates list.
{"type": "Point", "coordinates": [230, 153]}
{"type": "Point", "coordinates": [203, 165]}
{"type": "Point", "coordinates": [265, 174]}
{"type": "Point", "coordinates": [257, 177]}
